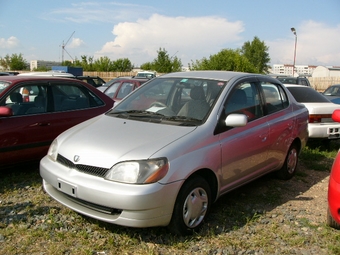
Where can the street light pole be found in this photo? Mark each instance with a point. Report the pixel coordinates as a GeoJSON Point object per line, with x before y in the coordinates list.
{"type": "Point", "coordinates": [294, 32]}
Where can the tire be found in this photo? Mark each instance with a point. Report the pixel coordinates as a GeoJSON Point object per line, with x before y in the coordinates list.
{"type": "Point", "coordinates": [191, 207]}
{"type": "Point", "coordinates": [331, 222]}
{"type": "Point", "coordinates": [289, 167]}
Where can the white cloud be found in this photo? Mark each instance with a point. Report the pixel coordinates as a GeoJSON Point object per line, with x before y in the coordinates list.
{"type": "Point", "coordinates": [76, 43]}
{"type": "Point", "coordinates": [188, 38]}
{"type": "Point", "coordinates": [317, 44]}
{"type": "Point", "coordinates": [10, 43]}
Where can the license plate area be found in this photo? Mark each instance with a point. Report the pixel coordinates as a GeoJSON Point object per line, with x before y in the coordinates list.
{"type": "Point", "coordinates": [68, 188]}
{"type": "Point", "coordinates": [333, 133]}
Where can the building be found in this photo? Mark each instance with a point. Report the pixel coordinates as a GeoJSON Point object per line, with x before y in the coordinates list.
{"type": "Point", "coordinates": [287, 69]}
{"type": "Point", "coordinates": [42, 63]}
{"type": "Point", "coordinates": [323, 71]}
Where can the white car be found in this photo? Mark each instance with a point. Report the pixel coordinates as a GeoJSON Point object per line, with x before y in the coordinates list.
{"type": "Point", "coordinates": [320, 123]}
{"type": "Point", "coordinates": [173, 146]}
{"type": "Point", "coordinates": [146, 74]}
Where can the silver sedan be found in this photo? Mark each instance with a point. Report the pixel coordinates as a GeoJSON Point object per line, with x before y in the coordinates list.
{"type": "Point", "coordinates": [175, 145]}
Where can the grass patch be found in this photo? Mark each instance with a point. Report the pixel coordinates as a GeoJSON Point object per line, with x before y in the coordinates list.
{"type": "Point", "coordinates": [317, 156]}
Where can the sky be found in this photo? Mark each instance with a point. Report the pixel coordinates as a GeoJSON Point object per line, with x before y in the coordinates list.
{"type": "Point", "coordinates": [189, 30]}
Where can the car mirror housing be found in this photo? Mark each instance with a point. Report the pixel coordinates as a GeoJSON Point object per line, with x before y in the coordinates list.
{"type": "Point", "coordinates": [5, 111]}
{"type": "Point", "coordinates": [236, 120]}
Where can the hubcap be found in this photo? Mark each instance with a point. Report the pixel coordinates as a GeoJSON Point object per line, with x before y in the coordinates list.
{"type": "Point", "coordinates": [195, 207]}
{"type": "Point", "coordinates": [292, 161]}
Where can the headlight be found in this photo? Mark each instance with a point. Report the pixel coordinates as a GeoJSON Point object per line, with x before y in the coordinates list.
{"type": "Point", "coordinates": [53, 150]}
{"type": "Point", "coordinates": [139, 171]}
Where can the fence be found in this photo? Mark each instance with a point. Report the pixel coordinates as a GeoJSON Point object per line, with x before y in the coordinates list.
{"type": "Point", "coordinates": [106, 76]}
{"type": "Point", "coordinates": [322, 83]}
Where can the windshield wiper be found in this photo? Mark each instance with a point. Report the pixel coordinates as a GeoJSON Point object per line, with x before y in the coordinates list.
{"type": "Point", "coordinates": [182, 118]}
{"type": "Point", "coordinates": [136, 114]}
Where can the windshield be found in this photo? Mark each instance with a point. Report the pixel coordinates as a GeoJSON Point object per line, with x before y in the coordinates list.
{"type": "Point", "coordinates": [287, 80]}
{"type": "Point", "coordinates": [112, 89]}
{"type": "Point", "coordinates": [3, 85]}
{"type": "Point", "coordinates": [164, 100]}
{"type": "Point", "coordinates": [332, 91]}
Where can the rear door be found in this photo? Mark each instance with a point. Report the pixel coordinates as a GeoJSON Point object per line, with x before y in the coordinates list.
{"type": "Point", "coordinates": [281, 120]}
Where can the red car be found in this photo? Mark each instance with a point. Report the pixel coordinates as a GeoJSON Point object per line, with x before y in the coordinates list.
{"type": "Point", "coordinates": [35, 110]}
{"type": "Point", "coordinates": [333, 212]}
{"type": "Point", "coordinates": [120, 89]}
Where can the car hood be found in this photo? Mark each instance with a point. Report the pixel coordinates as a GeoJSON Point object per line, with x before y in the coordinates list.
{"type": "Point", "coordinates": [321, 108]}
{"type": "Point", "coordinates": [104, 140]}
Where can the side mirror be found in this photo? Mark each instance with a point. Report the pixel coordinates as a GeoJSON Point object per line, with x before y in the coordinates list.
{"type": "Point", "coordinates": [5, 111]}
{"type": "Point", "coordinates": [237, 120]}
{"type": "Point", "coordinates": [336, 115]}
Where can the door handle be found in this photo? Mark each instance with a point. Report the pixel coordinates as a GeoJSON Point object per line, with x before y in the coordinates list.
{"type": "Point", "coordinates": [40, 124]}
{"type": "Point", "coordinates": [263, 137]}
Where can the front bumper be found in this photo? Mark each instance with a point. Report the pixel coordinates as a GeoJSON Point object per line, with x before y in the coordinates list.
{"type": "Point", "coordinates": [129, 205]}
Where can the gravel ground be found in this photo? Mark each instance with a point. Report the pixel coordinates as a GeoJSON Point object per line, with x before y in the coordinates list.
{"type": "Point", "coordinates": [267, 216]}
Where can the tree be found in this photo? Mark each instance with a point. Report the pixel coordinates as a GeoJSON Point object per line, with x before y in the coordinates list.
{"type": "Point", "coordinates": [14, 62]}
{"type": "Point", "coordinates": [122, 65]}
{"type": "Point", "coordinates": [103, 64]}
{"type": "Point", "coordinates": [5, 62]}
{"type": "Point", "coordinates": [146, 66]}
{"type": "Point", "coordinates": [163, 63]}
{"type": "Point", "coordinates": [226, 60]}
{"type": "Point", "coordinates": [257, 53]}
{"type": "Point", "coordinates": [42, 69]}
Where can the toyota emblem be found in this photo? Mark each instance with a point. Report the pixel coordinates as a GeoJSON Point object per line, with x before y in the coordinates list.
{"type": "Point", "coordinates": [76, 158]}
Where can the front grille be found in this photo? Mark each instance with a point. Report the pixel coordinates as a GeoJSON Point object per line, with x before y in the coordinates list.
{"type": "Point", "coordinates": [92, 170]}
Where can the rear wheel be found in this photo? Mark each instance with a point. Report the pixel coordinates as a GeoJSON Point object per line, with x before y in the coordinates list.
{"type": "Point", "coordinates": [331, 222]}
{"type": "Point", "coordinates": [290, 165]}
{"type": "Point", "coordinates": [191, 207]}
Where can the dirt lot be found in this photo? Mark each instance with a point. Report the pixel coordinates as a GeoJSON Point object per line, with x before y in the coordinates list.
{"type": "Point", "coordinates": [267, 216]}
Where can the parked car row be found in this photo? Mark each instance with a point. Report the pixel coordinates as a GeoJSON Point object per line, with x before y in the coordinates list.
{"type": "Point", "coordinates": [169, 149]}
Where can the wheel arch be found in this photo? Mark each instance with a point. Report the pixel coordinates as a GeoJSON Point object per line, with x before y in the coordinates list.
{"type": "Point", "coordinates": [298, 143]}
{"type": "Point", "coordinates": [211, 179]}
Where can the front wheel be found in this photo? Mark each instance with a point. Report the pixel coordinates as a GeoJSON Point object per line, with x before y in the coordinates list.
{"type": "Point", "coordinates": [290, 165]}
{"type": "Point", "coordinates": [191, 207]}
{"type": "Point", "coordinates": [331, 222]}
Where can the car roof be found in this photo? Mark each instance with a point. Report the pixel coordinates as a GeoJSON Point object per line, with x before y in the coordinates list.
{"type": "Point", "coordinates": [296, 85]}
{"type": "Point", "coordinates": [215, 75]}
{"type": "Point", "coordinates": [129, 79]}
{"type": "Point", "coordinates": [87, 76]}
{"type": "Point", "coordinates": [58, 74]}
{"type": "Point", "coordinates": [17, 78]}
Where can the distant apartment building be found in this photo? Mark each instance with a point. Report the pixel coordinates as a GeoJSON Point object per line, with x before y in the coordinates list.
{"type": "Point", "coordinates": [42, 63]}
{"type": "Point", "coordinates": [285, 69]}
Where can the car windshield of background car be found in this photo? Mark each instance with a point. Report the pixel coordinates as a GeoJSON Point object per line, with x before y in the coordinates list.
{"type": "Point", "coordinates": [3, 85]}
{"type": "Point", "coordinates": [332, 91]}
{"type": "Point", "coordinates": [307, 95]}
{"type": "Point", "coordinates": [287, 80]}
{"type": "Point", "coordinates": [110, 91]}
